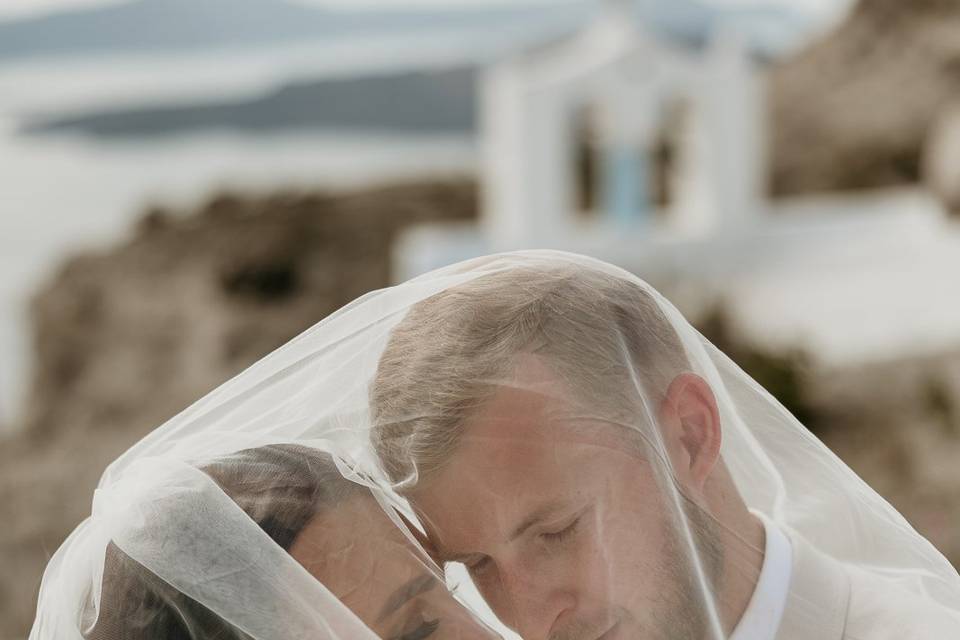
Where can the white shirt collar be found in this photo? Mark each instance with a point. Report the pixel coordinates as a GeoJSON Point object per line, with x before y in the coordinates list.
{"type": "Point", "coordinates": [765, 609]}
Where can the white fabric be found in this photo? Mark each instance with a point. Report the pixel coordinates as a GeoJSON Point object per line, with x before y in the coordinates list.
{"type": "Point", "coordinates": [761, 620]}
{"type": "Point", "coordinates": [830, 600]}
{"type": "Point", "coordinates": [547, 421]}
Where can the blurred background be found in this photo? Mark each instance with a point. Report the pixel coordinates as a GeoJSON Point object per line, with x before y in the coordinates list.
{"type": "Point", "coordinates": [185, 185]}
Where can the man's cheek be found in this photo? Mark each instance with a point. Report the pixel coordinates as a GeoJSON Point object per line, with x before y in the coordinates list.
{"type": "Point", "coordinates": [596, 564]}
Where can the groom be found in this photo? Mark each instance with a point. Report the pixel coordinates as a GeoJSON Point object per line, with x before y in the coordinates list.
{"type": "Point", "coordinates": [545, 425]}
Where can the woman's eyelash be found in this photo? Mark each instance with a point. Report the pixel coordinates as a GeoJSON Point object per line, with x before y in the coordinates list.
{"type": "Point", "coordinates": [425, 630]}
{"type": "Point", "coordinates": [557, 536]}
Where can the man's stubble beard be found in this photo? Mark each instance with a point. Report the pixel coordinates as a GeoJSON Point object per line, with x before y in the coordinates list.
{"type": "Point", "coordinates": [689, 606]}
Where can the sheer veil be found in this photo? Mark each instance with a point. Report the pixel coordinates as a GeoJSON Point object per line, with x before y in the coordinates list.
{"type": "Point", "coordinates": [533, 443]}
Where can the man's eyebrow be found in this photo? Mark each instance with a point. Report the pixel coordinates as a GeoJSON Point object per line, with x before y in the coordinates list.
{"type": "Point", "coordinates": [411, 589]}
{"type": "Point", "coordinates": [540, 514]}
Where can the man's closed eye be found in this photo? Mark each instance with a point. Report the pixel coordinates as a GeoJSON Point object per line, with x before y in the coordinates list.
{"type": "Point", "coordinates": [562, 534]}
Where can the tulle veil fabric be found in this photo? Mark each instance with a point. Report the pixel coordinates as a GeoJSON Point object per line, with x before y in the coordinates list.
{"type": "Point", "coordinates": [372, 479]}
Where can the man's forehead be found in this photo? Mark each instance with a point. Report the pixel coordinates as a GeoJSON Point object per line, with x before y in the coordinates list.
{"type": "Point", "coordinates": [530, 396]}
{"type": "Point", "coordinates": [518, 427]}
{"type": "Point", "coordinates": [517, 455]}
{"type": "Point", "coordinates": [513, 446]}
{"type": "Point", "coordinates": [533, 406]}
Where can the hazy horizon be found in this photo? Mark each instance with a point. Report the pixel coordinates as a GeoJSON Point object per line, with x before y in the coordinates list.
{"type": "Point", "coordinates": [15, 9]}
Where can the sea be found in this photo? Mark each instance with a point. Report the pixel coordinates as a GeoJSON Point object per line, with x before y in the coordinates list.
{"type": "Point", "coordinates": [61, 194]}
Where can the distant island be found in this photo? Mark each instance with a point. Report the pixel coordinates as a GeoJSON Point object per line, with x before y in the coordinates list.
{"type": "Point", "coordinates": [414, 101]}
{"type": "Point", "coordinates": [441, 101]}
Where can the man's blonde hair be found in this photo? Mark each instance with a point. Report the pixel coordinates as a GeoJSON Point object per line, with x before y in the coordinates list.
{"type": "Point", "coordinates": [604, 336]}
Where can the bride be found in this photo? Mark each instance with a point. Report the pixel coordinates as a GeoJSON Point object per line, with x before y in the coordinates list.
{"type": "Point", "coordinates": [333, 528]}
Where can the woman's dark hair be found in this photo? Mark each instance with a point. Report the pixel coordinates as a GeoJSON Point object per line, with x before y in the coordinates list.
{"type": "Point", "coordinates": [281, 487]}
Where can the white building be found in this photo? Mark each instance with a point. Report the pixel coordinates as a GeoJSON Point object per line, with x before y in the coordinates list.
{"type": "Point", "coordinates": [648, 152]}
{"type": "Point", "coordinates": [610, 99]}
{"type": "Point", "coordinates": [616, 87]}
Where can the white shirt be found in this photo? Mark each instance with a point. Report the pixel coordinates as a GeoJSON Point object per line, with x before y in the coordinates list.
{"type": "Point", "coordinates": [761, 619]}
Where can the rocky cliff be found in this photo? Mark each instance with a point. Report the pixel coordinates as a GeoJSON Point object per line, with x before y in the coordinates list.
{"type": "Point", "coordinates": [853, 110]}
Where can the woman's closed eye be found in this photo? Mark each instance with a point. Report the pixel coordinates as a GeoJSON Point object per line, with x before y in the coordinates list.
{"type": "Point", "coordinates": [421, 629]}
{"type": "Point", "coordinates": [478, 565]}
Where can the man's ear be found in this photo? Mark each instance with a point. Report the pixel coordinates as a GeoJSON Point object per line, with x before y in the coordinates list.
{"type": "Point", "coordinates": [691, 421]}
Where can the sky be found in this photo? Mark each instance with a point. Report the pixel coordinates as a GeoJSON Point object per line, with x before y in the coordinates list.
{"type": "Point", "coordinates": [18, 8]}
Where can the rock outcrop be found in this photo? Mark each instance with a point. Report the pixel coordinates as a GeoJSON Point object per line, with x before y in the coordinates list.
{"type": "Point", "coordinates": [853, 110]}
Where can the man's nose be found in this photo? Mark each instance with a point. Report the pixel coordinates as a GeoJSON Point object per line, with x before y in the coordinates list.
{"type": "Point", "coordinates": [476, 632]}
{"type": "Point", "coordinates": [470, 630]}
{"type": "Point", "coordinates": [535, 603]}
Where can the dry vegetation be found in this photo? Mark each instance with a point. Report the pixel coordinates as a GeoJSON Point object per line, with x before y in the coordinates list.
{"type": "Point", "coordinates": [853, 110]}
